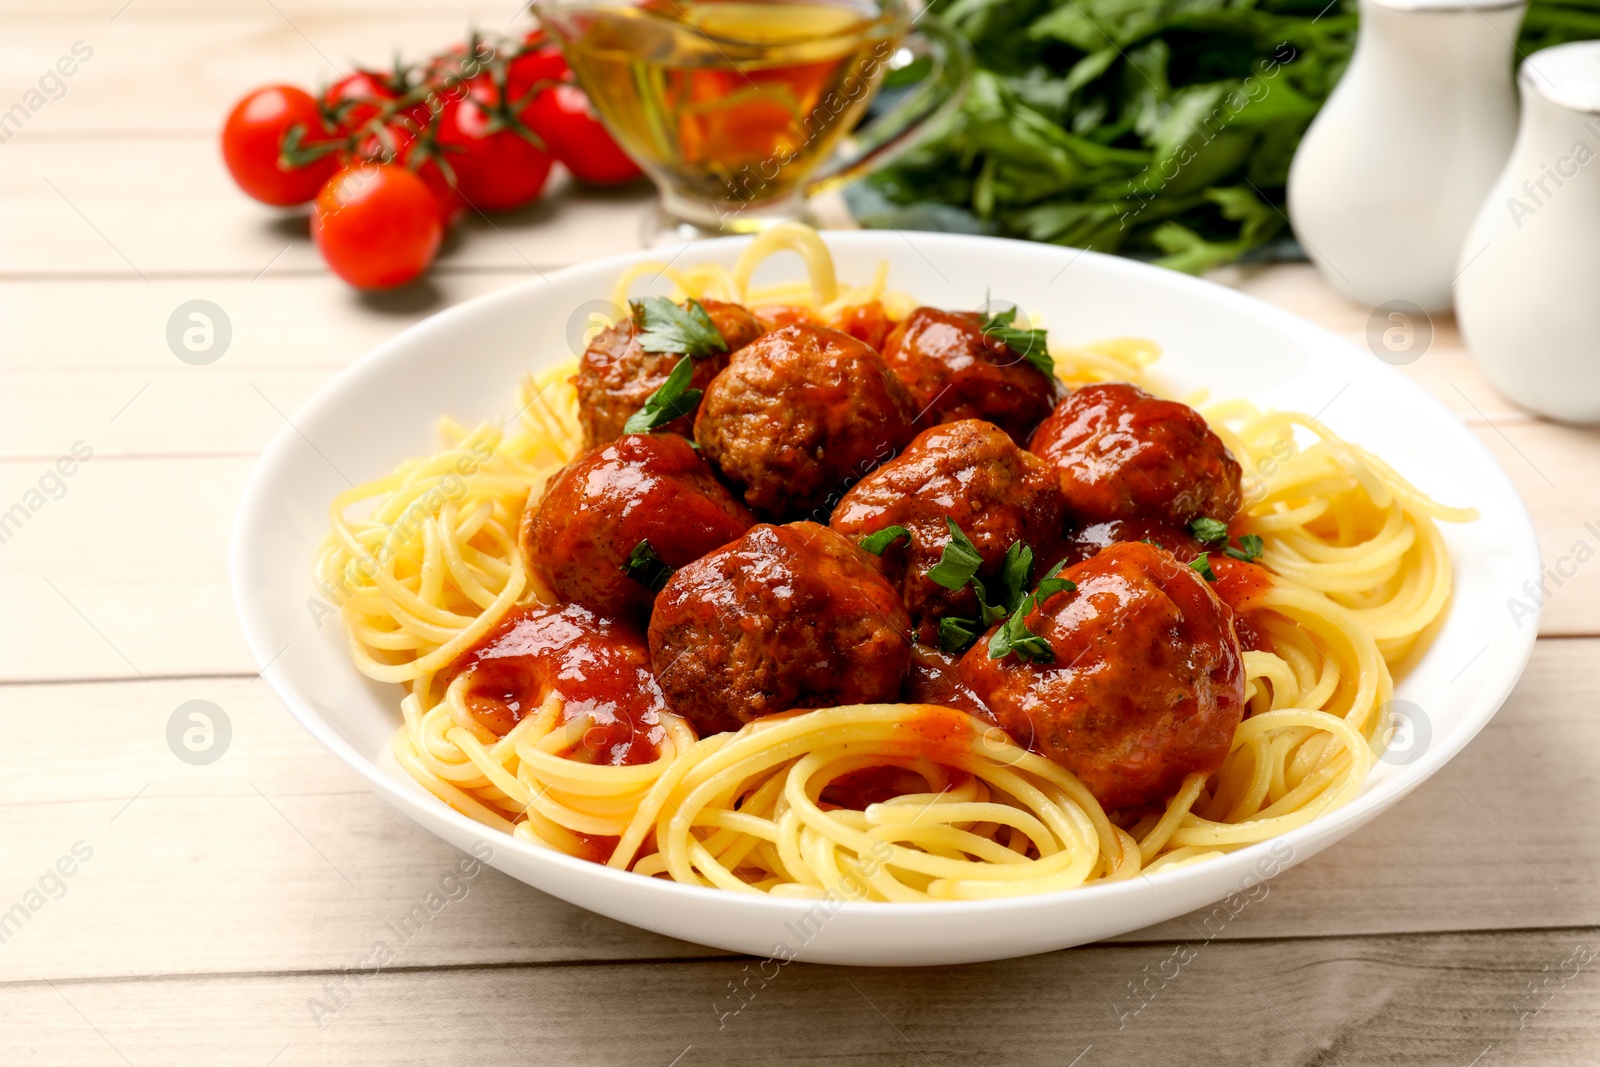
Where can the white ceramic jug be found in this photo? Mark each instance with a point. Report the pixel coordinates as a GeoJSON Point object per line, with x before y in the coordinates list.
{"type": "Point", "coordinates": [1528, 299]}
{"type": "Point", "coordinates": [1391, 173]}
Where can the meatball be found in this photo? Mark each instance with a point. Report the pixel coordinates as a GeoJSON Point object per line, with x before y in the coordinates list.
{"type": "Point", "coordinates": [787, 617]}
{"type": "Point", "coordinates": [968, 471]}
{"type": "Point", "coordinates": [955, 372]}
{"type": "Point", "coordinates": [600, 667]}
{"type": "Point", "coordinates": [1085, 541]}
{"type": "Point", "coordinates": [596, 510]}
{"type": "Point", "coordinates": [616, 375]}
{"type": "Point", "coordinates": [1145, 683]}
{"type": "Point", "coordinates": [1124, 454]}
{"type": "Point", "coordinates": [799, 413]}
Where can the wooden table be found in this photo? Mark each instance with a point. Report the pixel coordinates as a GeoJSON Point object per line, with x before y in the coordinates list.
{"type": "Point", "coordinates": [223, 914]}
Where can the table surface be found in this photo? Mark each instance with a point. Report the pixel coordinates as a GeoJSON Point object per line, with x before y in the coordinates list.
{"type": "Point", "coordinates": [228, 913]}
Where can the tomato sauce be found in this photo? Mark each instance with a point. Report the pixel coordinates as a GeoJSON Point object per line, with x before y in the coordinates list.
{"type": "Point", "coordinates": [1241, 586]}
{"type": "Point", "coordinates": [600, 667]}
{"type": "Point", "coordinates": [933, 679]}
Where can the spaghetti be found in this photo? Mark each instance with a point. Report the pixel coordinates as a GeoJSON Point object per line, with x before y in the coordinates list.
{"type": "Point", "coordinates": [1359, 574]}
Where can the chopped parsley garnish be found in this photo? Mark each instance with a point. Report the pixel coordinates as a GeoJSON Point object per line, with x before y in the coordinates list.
{"type": "Point", "coordinates": [647, 568]}
{"type": "Point", "coordinates": [1015, 570]}
{"type": "Point", "coordinates": [958, 565]}
{"type": "Point", "coordinates": [1201, 564]}
{"type": "Point", "coordinates": [1249, 550]}
{"type": "Point", "coordinates": [959, 562]}
{"type": "Point", "coordinates": [1029, 344]}
{"type": "Point", "coordinates": [672, 400]}
{"type": "Point", "coordinates": [1208, 531]}
{"type": "Point", "coordinates": [877, 543]}
{"type": "Point", "coordinates": [956, 634]}
{"type": "Point", "coordinates": [670, 328]}
{"type": "Point", "coordinates": [1015, 636]}
{"type": "Point", "coordinates": [1214, 532]}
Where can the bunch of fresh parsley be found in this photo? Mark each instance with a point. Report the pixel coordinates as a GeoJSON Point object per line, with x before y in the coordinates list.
{"type": "Point", "coordinates": [1161, 129]}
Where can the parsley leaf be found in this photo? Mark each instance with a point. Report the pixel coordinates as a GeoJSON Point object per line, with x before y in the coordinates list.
{"type": "Point", "coordinates": [1049, 587]}
{"type": "Point", "coordinates": [1202, 565]}
{"type": "Point", "coordinates": [672, 400]}
{"type": "Point", "coordinates": [1015, 570]}
{"type": "Point", "coordinates": [1208, 531]}
{"type": "Point", "coordinates": [1249, 550]}
{"type": "Point", "coordinates": [670, 328]}
{"type": "Point", "coordinates": [1015, 636]}
{"type": "Point", "coordinates": [957, 634]}
{"type": "Point", "coordinates": [959, 561]}
{"type": "Point", "coordinates": [878, 543]}
{"type": "Point", "coordinates": [647, 568]}
{"type": "Point", "coordinates": [1029, 344]}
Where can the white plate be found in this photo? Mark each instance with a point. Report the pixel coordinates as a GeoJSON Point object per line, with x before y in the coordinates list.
{"type": "Point", "coordinates": [466, 362]}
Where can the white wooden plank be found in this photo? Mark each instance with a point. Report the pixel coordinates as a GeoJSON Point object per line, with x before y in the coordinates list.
{"type": "Point", "coordinates": [278, 322]}
{"type": "Point", "coordinates": [68, 209]}
{"type": "Point", "coordinates": [157, 68]}
{"type": "Point", "coordinates": [1445, 1000]}
{"type": "Point", "coordinates": [249, 856]}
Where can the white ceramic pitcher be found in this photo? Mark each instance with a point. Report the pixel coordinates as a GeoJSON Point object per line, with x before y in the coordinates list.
{"type": "Point", "coordinates": [1528, 299]}
{"type": "Point", "coordinates": [1391, 173]}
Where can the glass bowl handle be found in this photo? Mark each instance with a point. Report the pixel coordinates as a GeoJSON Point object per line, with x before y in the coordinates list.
{"type": "Point", "coordinates": [925, 110]}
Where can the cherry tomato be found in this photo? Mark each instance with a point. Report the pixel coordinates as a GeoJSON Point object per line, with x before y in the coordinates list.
{"type": "Point", "coordinates": [252, 142]}
{"type": "Point", "coordinates": [377, 225]}
{"type": "Point", "coordinates": [538, 62]}
{"type": "Point", "coordinates": [563, 117]}
{"type": "Point", "coordinates": [496, 166]}
{"type": "Point", "coordinates": [358, 98]}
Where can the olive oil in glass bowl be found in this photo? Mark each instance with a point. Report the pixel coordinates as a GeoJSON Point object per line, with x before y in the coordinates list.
{"type": "Point", "coordinates": [740, 109]}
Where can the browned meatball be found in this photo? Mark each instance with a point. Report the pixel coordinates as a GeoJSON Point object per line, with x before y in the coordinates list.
{"type": "Point", "coordinates": [1144, 684]}
{"type": "Point", "coordinates": [798, 414]}
{"type": "Point", "coordinates": [955, 372]}
{"type": "Point", "coordinates": [1124, 454]}
{"type": "Point", "coordinates": [788, 617]}
{"type": "Point", "coordinates": [616, 375]}
{"type": "Point", "coordinates": [596, 510]}
{"type": "Point", "coordinates": [969, 471]}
